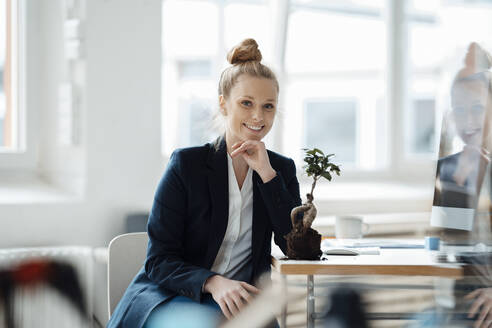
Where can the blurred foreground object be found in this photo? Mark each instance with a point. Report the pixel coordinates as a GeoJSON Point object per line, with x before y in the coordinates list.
{"type": "Point", "coordinates": [28, 278]}
{"type": "Point", "coordinates": [345, 310]}
{"type": "Point", "coordinates": [265, 307]}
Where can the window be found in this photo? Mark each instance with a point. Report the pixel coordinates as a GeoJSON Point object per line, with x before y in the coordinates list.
{"type": "Point", "coordinates": [422, 126]}
{"type": "Point", "coordinates": [332, 125]}
{"type": "Point", "coordinates": [366, 80]}
{"type": "Point", "coordinates": [343, 63]}
{"type": "Point", "coordinates": [9, 113]}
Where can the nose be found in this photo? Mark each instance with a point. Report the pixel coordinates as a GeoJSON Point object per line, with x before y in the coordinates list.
{"type": "Point", "coordinates": [469, 118]}
{"type": "Point", "coordinates": [258, 114]}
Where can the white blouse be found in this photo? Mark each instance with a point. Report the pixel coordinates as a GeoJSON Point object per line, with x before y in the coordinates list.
{"type": "Point", "coordinates": [234, 256]}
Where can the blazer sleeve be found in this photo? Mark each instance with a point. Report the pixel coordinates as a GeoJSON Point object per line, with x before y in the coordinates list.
{"type": "Point", "coordinates": [164, 264]}
{"type": "Point", "coordinates": [280, 196]}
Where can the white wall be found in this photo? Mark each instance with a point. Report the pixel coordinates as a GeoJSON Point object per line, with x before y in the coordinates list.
{"type": "Point", "coordinates": [118, 159]}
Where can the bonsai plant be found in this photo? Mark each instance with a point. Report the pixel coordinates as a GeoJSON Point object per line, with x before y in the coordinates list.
{"type": "Point", "coordinates": [303, 242]}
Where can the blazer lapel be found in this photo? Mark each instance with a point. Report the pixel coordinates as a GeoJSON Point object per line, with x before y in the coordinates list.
{"type": "Point", "coordinates": [259, 223]}
{"type": "Point", "coordinates": [218, 184]}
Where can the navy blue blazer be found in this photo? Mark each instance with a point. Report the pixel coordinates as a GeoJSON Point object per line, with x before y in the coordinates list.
{"type": "Point", "coordinates": [188, 222]}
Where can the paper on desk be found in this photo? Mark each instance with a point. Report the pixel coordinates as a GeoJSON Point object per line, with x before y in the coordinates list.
{"type": "Point", "coordinates": [350, 251]}
{"type": "Point", "coordinates": [373, 242]}
{"type": "Point", "coordinates": [328, 248]}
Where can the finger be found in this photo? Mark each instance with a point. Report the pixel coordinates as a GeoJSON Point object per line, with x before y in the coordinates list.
{"type": "Point", "coordinates": [475, 306]}
{"type": "Point", "coordinates": [482, 316]}
{"type": "Point", "coordinates": [238, 301]}
{"type": "Point", "coordinates": [225, 310]}
{"type": "Point", "coordinates": [245, 295]}
{"type": "Point", "coordinates": [488, 320]}
{"type": "Point", "coordinates": [250, 288]}
{"type": "Point", "coordinates": [473, 294]}
{"type": "Point", "coordinates": [244, 146]}
{"type": "Point", "coordinates": [231, 306]}
{"type": "Point", "coordinates": [236, 151]}
{"type": "Point", "coordinates": [237, 144]}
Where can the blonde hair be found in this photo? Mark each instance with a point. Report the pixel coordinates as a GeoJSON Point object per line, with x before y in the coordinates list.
{"type": "Point", "coordinates": [245, 58]}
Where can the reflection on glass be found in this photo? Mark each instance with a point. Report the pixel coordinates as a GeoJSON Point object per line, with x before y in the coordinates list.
{"type": "Point", "coordinates": [331, 126]}
{"type": "Point", "coordinates": [462, 193]}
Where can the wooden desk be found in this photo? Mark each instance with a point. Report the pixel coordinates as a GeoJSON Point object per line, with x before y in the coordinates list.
{"type": "Point", "coordinates": [396, 262]}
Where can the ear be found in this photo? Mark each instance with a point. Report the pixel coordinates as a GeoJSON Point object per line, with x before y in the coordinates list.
{"type": "Point", "coordinates": [222, 105]}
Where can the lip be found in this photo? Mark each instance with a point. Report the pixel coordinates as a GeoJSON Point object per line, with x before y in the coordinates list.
{"type": "Point", "coordinates": [472, 132]}
{"type": "Point", "coordinates": [254, 131]}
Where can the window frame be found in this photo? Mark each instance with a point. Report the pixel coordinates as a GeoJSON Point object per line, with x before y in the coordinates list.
{"type": "Point", "coordinates": [23, 157]}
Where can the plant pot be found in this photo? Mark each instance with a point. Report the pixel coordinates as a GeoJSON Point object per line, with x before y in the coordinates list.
{"type": "Point", "coordinates": [303, 243]}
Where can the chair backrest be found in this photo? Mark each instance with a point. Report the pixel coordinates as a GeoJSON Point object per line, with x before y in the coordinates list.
{"type": "Point", "coordinates": [127, 253]}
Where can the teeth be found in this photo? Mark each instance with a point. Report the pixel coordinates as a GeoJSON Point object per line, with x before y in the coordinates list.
{"type": "Point", "coordinates": [257, 128]}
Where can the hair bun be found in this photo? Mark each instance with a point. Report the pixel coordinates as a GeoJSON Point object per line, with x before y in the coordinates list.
{"type": "Point", "coordinates": [244, 52]}
{"type": "Point", "coordinates": [477, 58]}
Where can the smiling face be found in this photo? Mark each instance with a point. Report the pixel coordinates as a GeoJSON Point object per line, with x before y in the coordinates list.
{"type": "Point", "coordinates": [469, 101]}
{"type": "Point", "coordinates": [250, 109]}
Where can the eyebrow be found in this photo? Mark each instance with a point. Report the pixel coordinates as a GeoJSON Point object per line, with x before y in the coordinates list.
{"type": "Point", "coordinates": [254, 98]}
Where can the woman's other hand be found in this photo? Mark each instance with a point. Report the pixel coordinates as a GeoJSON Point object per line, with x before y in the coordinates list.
{"type": "Point", "coordinates": [255, 154]}
{"type": "Point", "coordinates": [231, 295]}
{"type": "Point", "coordinates": [483, 301]}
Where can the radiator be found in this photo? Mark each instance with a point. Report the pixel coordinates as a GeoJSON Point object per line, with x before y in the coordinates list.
{"type": "Point", "coordinates": [42, 306]}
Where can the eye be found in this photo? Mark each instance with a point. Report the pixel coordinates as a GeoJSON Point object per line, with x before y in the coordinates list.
{"type": "Point", "coordinates": [478, 109]}
{"type": "Point", "coordinates": [269, 107]}
{"type": "Point", "coordinates": [246, 103]}
{"type": "Point", "coordinates": [459, 111]}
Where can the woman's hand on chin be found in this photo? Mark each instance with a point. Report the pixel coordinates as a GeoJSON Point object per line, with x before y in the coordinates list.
{"type": "Point", "coordinates": [255, 154]}
{"type": "Point", "coordinates": [231, 295]}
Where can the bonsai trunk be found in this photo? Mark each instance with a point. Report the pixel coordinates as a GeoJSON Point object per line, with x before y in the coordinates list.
{"type": "Point", "coordinates": [303, 242]}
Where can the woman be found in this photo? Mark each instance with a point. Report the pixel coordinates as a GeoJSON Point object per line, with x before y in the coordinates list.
{"type": "Point", "coordinates": [460, 176]}
{"type": "Point", "coordinates": [464, 182]}
{"type": "Point", "coordinates": [217, 205]}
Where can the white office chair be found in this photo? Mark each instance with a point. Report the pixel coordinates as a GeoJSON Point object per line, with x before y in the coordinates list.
{"type": "Point", "coordinates": [127, 253]}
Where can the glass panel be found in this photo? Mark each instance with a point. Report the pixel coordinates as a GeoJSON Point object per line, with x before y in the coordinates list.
{"type": "Point", "coordinates": [331, 126]}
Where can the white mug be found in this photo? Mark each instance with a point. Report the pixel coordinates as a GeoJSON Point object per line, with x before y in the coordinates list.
{"type": "Point", "coordinates": [350, 227]}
